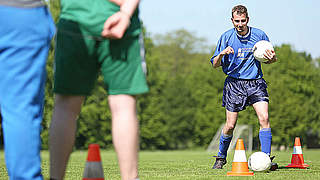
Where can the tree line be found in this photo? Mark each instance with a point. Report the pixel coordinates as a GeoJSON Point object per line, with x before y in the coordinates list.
{"type": "Point", "coordinates": [183, 107]}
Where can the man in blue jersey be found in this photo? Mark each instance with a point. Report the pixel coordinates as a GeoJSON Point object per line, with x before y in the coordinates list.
{"type": "Point", "coordinates": [244, 84]}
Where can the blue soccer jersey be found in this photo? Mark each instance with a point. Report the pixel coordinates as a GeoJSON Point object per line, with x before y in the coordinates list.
{"type": "Point", "coordinates": [241, 64]}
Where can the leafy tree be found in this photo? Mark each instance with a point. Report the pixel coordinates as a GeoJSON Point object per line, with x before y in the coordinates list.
{"type": "Point", "coordinates": [294, 90]}
{"type": "Point", "coordinates": [183, 108]}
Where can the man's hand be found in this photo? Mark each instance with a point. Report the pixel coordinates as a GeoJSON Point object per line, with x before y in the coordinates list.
{"type": "Point", "coordinates": [270, 55]}
{"type": "Point", "coordinates": [116, 25]}
{"type": "Point", "coordinates": [117, 2]}
{"type": "Point", "coordinates": [227, 50]}
{"type": "Point", "coordinates": [217, 60]}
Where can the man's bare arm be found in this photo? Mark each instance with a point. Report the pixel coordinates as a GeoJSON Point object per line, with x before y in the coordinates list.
{"type": "Point", "coordinates": [217, 60]}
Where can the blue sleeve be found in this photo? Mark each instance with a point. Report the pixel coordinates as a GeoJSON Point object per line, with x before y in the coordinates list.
{"type": "Point", "coordinates": [265, 37]}
{"type": "Point", "coordinates": [221, 45]}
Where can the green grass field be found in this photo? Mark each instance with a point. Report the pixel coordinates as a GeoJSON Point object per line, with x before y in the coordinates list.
{"type": "Point", "coordinates": [182, 165]}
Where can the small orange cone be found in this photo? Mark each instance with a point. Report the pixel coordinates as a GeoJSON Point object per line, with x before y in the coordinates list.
{"type": "Point", "coordinates": [240, 164]}
{"type": "Point", "coordinates": [93, 169]}
{"type": "Point", "coordinates": [297, 160]}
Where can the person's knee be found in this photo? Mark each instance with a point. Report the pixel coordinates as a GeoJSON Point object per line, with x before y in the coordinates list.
{"type": "Point", "coordinates": [264, 120]}
{"type": "Point", "coordinates": [228, 128]}
{"type": "Point", "coordinates": [67, 106]}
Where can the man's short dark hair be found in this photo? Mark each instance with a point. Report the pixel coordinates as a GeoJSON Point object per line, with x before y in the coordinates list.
{"type": "Point", "coordinates": [239, 9]}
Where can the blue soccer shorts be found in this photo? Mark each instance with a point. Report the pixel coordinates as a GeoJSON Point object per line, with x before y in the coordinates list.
{"type": "Point", "coordinates": [239, 93]}
{"type": "Point", "coordinates": [25, 36]}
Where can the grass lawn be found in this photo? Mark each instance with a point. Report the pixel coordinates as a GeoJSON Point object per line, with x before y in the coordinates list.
{"type": "Point", "coordinates": [182, 165]}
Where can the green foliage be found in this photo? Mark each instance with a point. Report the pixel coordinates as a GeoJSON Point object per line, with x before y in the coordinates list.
{"type": "Point", "coordinates": [294, 89]}
{"type": "Point", "coordinates": [183, 108]}
{"type": "Point", "coordinates": [174, 112]}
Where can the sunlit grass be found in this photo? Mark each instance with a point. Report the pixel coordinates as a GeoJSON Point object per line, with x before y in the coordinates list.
{"type": "Point", "coordinates": [182, 165]}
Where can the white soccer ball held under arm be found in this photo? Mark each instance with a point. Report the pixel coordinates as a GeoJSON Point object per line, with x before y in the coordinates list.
{"type": "Point", "coordinates": [259, 49]}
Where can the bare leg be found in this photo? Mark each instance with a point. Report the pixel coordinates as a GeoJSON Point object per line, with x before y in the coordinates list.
{"type": "Point", "coordinates": [62, 132]}
{"type": "Point", "coordinates": [230, 123]}
{"type": "Point", "coordinates": [261, 109]}
{"type": "Point", "coordinates": [125, 134]}
{"type": "Point", "coordinates": [265, 134]}
{"type": "Point", "coordinates": [225, 139]}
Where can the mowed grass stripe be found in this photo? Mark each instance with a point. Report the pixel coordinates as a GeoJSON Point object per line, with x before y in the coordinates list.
{"type": "Point", "coordinates": [181, 165]}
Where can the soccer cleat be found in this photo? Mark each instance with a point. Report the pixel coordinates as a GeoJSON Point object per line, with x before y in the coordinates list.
{"type": "Point", "coordinates": [272, 157]}
{"type": "Point", "coordinates": [273, 166]}
{"type": "Point", "coordinates": [220, 162]}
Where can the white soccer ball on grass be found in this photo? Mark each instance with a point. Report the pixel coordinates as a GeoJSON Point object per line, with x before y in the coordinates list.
{"type": "Point", "coordinates": [260, 48]}
{"type": "Point", "coordinates": [259, 161]}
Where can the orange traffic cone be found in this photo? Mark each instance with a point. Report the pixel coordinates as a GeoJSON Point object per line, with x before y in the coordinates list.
{"type": "Point", "coordinates": [297, 156]}
{"type": "Point", "coordinates": [93, 169]}
{"type": "Point", "coordinates": [240, 164]}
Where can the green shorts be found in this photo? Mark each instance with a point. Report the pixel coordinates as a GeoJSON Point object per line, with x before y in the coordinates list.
{"type": "Point", "coordinates": [79, 58]}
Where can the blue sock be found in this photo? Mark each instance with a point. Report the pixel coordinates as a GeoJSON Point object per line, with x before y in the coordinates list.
{"type": "Point", "coordinates": [224, 144]}
{"type": "Point", "coordinates": [265, 137]}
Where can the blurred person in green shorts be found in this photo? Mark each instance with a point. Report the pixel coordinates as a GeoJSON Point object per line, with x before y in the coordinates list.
{"type": "Point", "coordinates": [94, 36]}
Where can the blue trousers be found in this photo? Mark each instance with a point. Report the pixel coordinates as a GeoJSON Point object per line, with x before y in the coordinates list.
{"type": "Point", "coordinates": [25, 36]}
